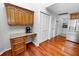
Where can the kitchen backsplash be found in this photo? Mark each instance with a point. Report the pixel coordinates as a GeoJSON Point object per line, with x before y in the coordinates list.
{"type": "Point", "coordinates": [18, 29]}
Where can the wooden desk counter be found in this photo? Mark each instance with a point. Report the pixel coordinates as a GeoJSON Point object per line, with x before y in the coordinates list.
{"type": "Point", "coordinates": [20, 35]}
{"type": "Point", "coordinates": [18, 42]}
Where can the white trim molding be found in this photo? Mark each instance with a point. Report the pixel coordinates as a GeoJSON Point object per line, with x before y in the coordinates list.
{"type": "Point", "coordinates": [4, 51]}
{"type": "Point", "coordinates": [36, 44]}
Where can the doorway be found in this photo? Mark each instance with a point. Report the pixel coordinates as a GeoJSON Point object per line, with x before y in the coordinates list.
{"type": "Point", "coordinates": [58, 26]}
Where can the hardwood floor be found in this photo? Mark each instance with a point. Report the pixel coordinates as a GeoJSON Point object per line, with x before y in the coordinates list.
{"type": "Point", "coordinates": [57, 46]}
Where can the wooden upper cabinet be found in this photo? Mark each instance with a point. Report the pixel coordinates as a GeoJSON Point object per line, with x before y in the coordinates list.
{"type": "Point", "coordinates": [74, 16]}
{"type": "Point", "coordinates": [18, 16]}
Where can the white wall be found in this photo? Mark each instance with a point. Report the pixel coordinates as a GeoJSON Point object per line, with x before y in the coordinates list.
{"type": "Point", "coordinates": [6, 31]}
{"type": "Point", "coordinates": [1, 42]}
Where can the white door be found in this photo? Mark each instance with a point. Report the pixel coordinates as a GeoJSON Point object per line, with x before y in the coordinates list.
{"type": "Point", "coordinates": [58, 29]}
{"type": "Point", "coordinates": [44, 26]}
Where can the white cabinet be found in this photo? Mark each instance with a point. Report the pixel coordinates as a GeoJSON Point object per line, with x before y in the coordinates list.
{"type": "Point", "coordinates": [77, 25]}
{"type": "Point", "coordinates": [71, 25]}
{"type": "Point", "coordinates": [73, 36]}
{"type": "Point", "coordinates": [73, 31]}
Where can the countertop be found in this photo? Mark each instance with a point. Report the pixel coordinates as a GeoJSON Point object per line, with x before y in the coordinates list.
{"type": "Point", "coordinates": [20, 35]}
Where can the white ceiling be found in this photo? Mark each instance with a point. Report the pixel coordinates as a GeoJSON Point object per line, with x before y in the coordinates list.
{"type": "Point", "coordinates": [59, 8]}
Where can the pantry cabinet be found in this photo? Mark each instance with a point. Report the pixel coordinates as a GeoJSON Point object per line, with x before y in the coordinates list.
{"type": "Point", "coordinates": [18, 16]}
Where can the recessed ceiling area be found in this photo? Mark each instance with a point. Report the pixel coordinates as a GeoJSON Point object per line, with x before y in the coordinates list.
{"type": "Point", "coordinates": [61, 8]}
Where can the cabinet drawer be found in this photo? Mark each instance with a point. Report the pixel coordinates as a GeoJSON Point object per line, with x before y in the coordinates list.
{"type": "Point", "coordinates": [32, 36]}
{"type": "Point", "coordinates": [18, 46]}
{"type": "Point", "coordinates": [18, 51]}
{"type": "Point", "coordinates": [17, 40]}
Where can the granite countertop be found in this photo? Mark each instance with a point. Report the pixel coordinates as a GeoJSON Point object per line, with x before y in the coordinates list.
{"type": "Point", "coordinates": [20, 35]}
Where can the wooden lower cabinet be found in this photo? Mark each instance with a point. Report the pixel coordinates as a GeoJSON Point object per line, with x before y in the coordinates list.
{"type": "Point", "coordinates": [18, 45]}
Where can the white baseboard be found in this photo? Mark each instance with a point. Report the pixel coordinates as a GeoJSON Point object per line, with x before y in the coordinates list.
{"type": "Point", "coordinates": [40, 42]}
{"type": "Point", "coordinates": [35, 43]}
{"type": "Point", "coordinates": [43, 41]}
{"type": "Point", "coordinates": [4, 50]}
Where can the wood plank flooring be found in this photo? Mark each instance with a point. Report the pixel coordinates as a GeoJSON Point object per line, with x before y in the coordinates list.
{"type": "Point", "coordinates": [57, 46]}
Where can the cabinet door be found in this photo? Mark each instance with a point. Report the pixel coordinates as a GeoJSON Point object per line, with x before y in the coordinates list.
{"type": "Point", "coordinates": [8, 14]}
{"type": "Point", "coordinates": [22, 17]}
{"type": "Point", "coordinates": [11, 18]}
{"type": "Point", "coordinates": [26, 21]}
{"type": "Point", "coordinates": [19, 16]}
{"type": "Point", "coordinates": [16, 14]}
{"type": "Point", "coordinates": [31, 19]}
